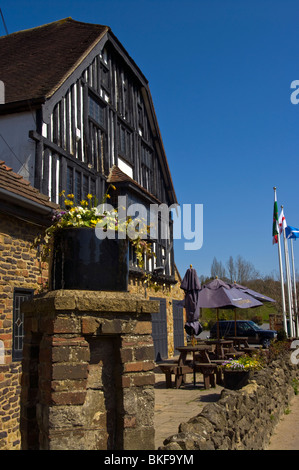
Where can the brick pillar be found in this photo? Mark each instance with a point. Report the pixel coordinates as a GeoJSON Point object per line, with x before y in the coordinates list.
{"type": "Point", "coordinates": [88, 380]}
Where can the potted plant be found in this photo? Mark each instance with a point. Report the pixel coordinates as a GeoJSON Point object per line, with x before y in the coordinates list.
{"type": "Point", "coordinates": [87, 248]}
{"type": "Point", "coordinates": [237, 372]}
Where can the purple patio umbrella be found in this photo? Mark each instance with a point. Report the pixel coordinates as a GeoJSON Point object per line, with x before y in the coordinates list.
{"type": "Point", "coordinates": [219, 294]}
{"type": "Point", "coordinates": [191, 287]}
{"type": "Point", "coordinates": [253, 293]}
{"type": "Point", "coordinates": [257, 295]}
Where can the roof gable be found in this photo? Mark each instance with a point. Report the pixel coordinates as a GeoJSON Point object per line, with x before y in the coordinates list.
{"type": "Point", "coordinates": [54, 49]}
{"type": "Point", "coordinates": [116, 176]}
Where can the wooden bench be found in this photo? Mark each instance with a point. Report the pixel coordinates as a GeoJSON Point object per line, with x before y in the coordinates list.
{"type": "Point", "coordinates": [218, 362]}
{"type": "Point", "coordinates": [208, 370]}
{"type": "Point", "coordinates": [233, 354]}
{"type": "Point", "coordinates": [249, 351]}
{"type": "Point", "coordinates": [179, 371]}
{"type": "Point", "coordinates": [168, 368]}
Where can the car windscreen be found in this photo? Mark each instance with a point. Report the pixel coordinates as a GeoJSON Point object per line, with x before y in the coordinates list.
{"type": "Point", "coordinates": [254, 326]}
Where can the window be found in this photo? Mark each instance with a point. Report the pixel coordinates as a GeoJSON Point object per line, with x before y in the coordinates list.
{"type": "Point", "coordinates": [18, 322]}
{"type": "Point", "coordinates": [125, 142]}
{"type": "Point", "coordinates": [79, 184]}
{"type": "Point", "coordinates": [146, 168]}
{"type": "Point", "coordinates": [96, 111]}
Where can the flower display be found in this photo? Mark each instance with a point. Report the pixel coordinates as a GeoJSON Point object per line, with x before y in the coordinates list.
{"type": "Point", "coordinates": [244, 363]}
{"type": "Point", "coordinates": [90, 214]}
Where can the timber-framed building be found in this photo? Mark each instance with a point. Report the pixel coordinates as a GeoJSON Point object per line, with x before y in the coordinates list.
{"type": "Point", "coordinates": [77, 115]}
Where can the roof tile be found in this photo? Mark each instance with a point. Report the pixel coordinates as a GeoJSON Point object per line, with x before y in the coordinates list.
{"type": "Point", "coordinates": [52, 49]}
{"type": "Point", "coordinates": [15, 183]}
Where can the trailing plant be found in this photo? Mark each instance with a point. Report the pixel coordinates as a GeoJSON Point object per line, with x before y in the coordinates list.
{"type": "Point", "coordinates": [92, 215]}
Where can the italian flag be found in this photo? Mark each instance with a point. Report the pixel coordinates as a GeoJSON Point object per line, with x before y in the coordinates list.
{"type": "Point", "coordinates": [275, 222]}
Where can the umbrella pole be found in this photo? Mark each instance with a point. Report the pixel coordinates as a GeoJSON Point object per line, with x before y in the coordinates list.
{"type": "Point", "coordinates": [217, 319]}
{"type": "Point", "coordinates": [235, 322]}
{"type": "Point", "coordinates": [194, 373]}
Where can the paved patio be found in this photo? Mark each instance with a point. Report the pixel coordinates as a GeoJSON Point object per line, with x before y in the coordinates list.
{"type": "Point", "coordinates": [174, 406]}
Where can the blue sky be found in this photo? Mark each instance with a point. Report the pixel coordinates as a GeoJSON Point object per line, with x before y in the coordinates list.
{"type": "Point", "coordinates": [220, 73]}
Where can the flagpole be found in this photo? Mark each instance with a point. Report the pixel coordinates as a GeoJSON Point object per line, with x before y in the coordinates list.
{"type": "Point", "coordinates": [295, 289]}
{"type": "Point", "coordinates": [287, 266]}
{"type": "Point", "coordinates": [281, 273]}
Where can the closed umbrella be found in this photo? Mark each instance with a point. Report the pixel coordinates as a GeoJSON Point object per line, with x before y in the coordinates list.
{"type": "Point", "coordinates": [191, 287]}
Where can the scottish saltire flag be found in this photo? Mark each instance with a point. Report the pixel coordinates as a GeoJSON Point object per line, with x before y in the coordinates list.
{"type": "Point", "coordinates": [275, 222]}
{"type": "Point", "coordinates": [292, 232]}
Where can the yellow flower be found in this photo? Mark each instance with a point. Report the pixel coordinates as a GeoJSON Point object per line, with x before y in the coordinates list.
{"type": "Point", "coordinates": [112, 186]}
{"type": "Point", "coordinates": [108, 196]}
{"type": "Point", "coordinates": [84, 203]}
{"type": "Point", "coordinates": [89, 196]}
{"type": "Point", "coordinates": [68, 203]}
{"type": "Point", "coordinates": [62, 193]}
{"type": "Point", "coordinates": [70, 196]}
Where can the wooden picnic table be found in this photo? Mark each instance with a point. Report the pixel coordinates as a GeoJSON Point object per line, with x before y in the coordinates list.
{"type": "Point", "coordinates": [188, 366]}
{"type": "Point", "coordinates": [239, 341]}
{"type": "Point", "coordinates": [220, 345]}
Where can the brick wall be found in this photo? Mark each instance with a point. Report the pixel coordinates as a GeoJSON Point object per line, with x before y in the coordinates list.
{"type": "Point", "coordinates": [88, 380]}
{"type": "Point", "coordinates": [19, 269]}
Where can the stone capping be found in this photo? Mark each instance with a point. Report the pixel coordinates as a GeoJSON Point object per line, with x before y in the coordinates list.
{"type": "Point", "coordinates": [244, 419]}
{"type": "Point", "coordinates": [90, 301]}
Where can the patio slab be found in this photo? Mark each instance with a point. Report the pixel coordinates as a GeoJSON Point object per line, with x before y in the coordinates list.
{"type": "Point", "coordinates": [175, 406]}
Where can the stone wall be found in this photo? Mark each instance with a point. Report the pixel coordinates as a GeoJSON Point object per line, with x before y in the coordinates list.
{"type": "Point", "coordinates": [10, 438]}
{"type": "Point", "coordinates": [88, 380]}
{"type": "Point", "coordinates": [243, 419]}
{"type": "Point", "coordinates": [19, 269]}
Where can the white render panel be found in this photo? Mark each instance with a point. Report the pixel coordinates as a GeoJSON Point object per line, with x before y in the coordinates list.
{"type": "Point", "coordinates": [16, 148]}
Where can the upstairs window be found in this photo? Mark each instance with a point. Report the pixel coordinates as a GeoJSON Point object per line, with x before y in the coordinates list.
{"type": "Point", "coordinates": [79, 184]}
{"type": "Point", "coordinates": [96, 111]}
{"type": "Point", "coordinates": [125, 142]}
{"type": "Point", "coordinates": [146, 168]}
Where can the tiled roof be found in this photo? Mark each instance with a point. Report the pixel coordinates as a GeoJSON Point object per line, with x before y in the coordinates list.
{"type": "Point", "coordinates": [35, 61]}
{"type": "Point", "coordinates": [116, 175]}
{"type": "Point", "coordinates": [16, 184]}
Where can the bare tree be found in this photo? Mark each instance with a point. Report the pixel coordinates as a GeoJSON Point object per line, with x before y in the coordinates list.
{"type": "Point", "coordinates": [232, 273]}
{"type": "Point", "coordinates": [217, 269]}
{"type": "Point", "coordinates": [245, 270]}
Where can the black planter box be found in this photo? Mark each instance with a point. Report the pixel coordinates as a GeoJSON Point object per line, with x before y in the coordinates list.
{"type": "Point", "coordinates": [82, 261]}
{"type": "Point", "coordinates": [234, 380]}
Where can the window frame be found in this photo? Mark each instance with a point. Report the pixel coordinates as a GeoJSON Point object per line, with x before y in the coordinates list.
{"type": "Point", "coordinates": [17, 352]}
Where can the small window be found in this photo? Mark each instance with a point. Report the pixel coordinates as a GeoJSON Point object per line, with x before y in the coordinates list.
{"type": "Point", "coordinates": [96, 111]}
{"type": "Point", "coordinates": [18, 322]}
{"type": "Point", "coordinates": [79, 184]}
{"type": "Point", "coordinates": [125, 142]}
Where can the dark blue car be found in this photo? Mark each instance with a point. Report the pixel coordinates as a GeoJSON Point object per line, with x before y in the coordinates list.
{"type": "Point", "coordinates": [245, 328]}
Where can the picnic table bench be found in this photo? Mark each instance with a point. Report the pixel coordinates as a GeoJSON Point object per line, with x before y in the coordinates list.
{"type": "Point", "coordinates": [179, 371]}
{"type": "Point", "coordinates": [199, 363]}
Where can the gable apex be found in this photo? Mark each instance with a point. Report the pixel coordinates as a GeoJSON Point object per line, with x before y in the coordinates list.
{"type": "Point", "coordinates": [54, 49]}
